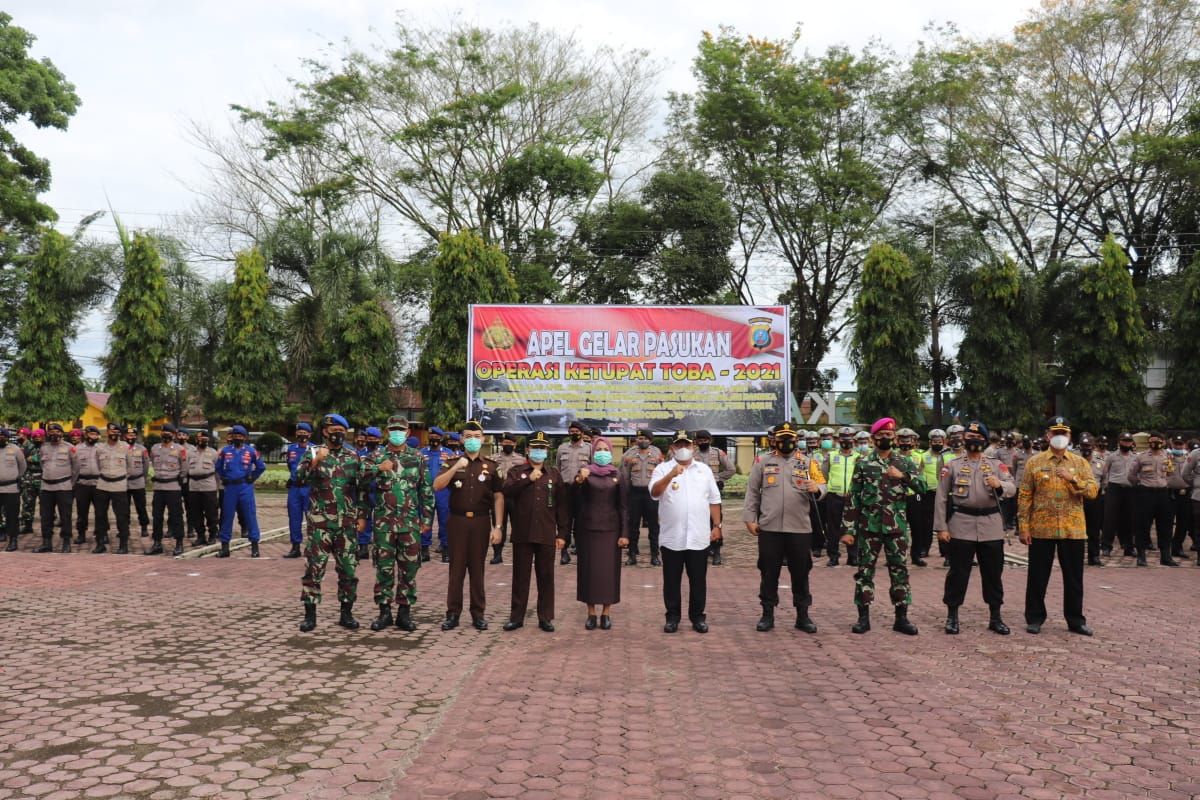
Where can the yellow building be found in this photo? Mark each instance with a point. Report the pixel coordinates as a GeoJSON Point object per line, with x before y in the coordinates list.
{"type": "Point", "coordinates": [96, 414]}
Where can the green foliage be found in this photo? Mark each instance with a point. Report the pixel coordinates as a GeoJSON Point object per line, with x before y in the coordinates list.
{"type": "Point", "coordinates": [44, 382]}
{"type": "Point", "coordinates": [467, 271]}
{"type": "Point", "coordinates": [995, 358]}
{"type": "Point", "coordinates": [1102, 346]}
{"type": "Point", "coordinates": [887, 336]}
{"type": "Point", "coordinates": [356, 369]}
{"type": "Point", "coordinates": [1181, 396]}
{"type": "Point", "coordinates": [249, 385]}
{"type": "Point", "coordinates": [139, 340]}
{"type": "Point", "coordinates": [269, 442]}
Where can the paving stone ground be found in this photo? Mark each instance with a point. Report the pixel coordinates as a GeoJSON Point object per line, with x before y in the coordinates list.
{"type": "Point", "coordinates": [136, 677]}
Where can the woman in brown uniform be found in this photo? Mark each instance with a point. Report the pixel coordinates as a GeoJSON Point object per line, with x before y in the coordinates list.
{"type": "Point", "coordinates": [601, 532]}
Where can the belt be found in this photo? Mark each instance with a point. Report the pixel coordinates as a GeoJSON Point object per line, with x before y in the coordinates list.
{"type": "Point", "coordinates": [163, 481]}
{"type": "Point", "coordinates": [466, 514]}
{"type": "Point", "coordinates": [107, 479]}
{"type": "Point", "coordinates": [55, 482]}
{"type": "Point", "coordinates": [1155, 488]}
{"type": "Point", "coordinates": [201, 477]}
{"type": "Point", "coordinates": [10, 483]}
{"type": "Point", "coordinates": [89, 477]}
{"type": "Point", "coordinates": [976, 512]}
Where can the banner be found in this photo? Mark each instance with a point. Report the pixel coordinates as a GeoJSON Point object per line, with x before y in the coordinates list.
{"type": "Point", "coordinates": [621, 368]}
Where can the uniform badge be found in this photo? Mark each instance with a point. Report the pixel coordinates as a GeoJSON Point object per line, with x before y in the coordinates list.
{"type": "Point", "coordinates": [483, 476]}
{"type": "Point", "coordinates": [458, 484]}
{"type": "Point", "coordinates": [524, 476]}
{"type": "Point", "coordinates": [674, 484]}
{"type": "Point", "coordinates": [770, 480]}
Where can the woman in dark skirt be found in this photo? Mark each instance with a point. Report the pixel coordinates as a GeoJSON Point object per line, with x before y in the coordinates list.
{"type": "Point", "coordinates": [600, 533]}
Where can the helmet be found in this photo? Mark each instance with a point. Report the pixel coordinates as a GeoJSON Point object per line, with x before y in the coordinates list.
{"type": "Point", "coordinates": [862, 436]}
{"type": "Point", "coordinates": [937, 433]}
{"type": "Point", "coordinates": [953, 429]}
{"type": "Point", "coordinates": [846, 431]}
{"type": "Point", "coordinates": [907, 432]}
{"type": "Point", "coordinates": [826, 431]}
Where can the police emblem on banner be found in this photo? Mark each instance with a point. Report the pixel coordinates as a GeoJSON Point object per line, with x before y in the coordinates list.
{"type": "Point", "coordinates": [497, 336]}
{"type": "Point", "coordinates": [760, 332]}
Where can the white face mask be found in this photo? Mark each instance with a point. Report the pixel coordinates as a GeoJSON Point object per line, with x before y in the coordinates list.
{"type": "Point", "coordinates": [683, 454]}
{"type": "Point", "coordinates": [1060, 442]}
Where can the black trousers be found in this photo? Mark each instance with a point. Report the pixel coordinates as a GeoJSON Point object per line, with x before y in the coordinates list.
{"type": "Point", "coordinates": [714, 548]}
{"type": "Point", "coordinates": [816, 521]}
{"type": "Point", "coordinates": [539, 559]}
{"type": "Point", "coordinates": [85, 498]}
{"type": "Point", "coordinates": [10, 507]}
{"type": "Point", "coordinates": [675, 562]}
{"type": "Point", "coordinates": [835, 507]}
{"type": "Point", "coordinates": [203, 513]}
{"type": "Point", "coordinates": [642, 508]}
{"type": "Point", "coordinates": [1008, 510]}
{"type": "Point", "coordinates": [53, 501]}
{"type": "Point", "coordinates": [920, 522]}
{"type": "Point", "coordinates": [991, 569]}
{"type": "Point", "coordinates": [1156, 508]}
{"type": "Point", "coordinates": [120, 506]}
{"type": "Point", "coordinates": [1185, 519]}
{"type": "Point", "coordinates": [170, 501]}
{"type": "Point", "coordinates": [1093, 515]}
{"type": "Point", "coordinates": [1118, 516]}
{"type": "Point", "coordinates": [772, 547]}
{"type": "Point", "coordinates": [1070, 562]}
{"type": "Point", "coordinates": [137, 502]}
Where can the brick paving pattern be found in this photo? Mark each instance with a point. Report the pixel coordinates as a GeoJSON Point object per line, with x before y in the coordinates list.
{"type": "Point", "coordinates": [135, 677]}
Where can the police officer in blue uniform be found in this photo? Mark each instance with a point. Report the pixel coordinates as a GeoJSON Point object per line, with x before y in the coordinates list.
{"type": "Point", "coordinates": [435, 455]}
{"type": "Point", "coordinates": [367, 535]}
{"type": "Point", "coordinates": [297, 503]}
{"type": "Point", "coordinates": [238, 467]}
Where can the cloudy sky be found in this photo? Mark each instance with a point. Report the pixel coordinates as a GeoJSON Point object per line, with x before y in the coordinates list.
{"type": "Point", "coordinates": [146, 70]}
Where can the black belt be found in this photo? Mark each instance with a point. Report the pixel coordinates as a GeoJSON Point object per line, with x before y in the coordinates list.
{"type": "Point", "coordinates": [1155, 488]}
{"type": "Point", "coordinates": [235, 481]}
{"type": "Point", "coordinates": [88, 477]}
{"type": "Point", "coordinates": [10, 483]}
{"type": "Point", "coordinates": [976, 512]}
{"type": "Point", "coordinates": [164, 481]}
{"type": "Point", "coordinates": [107, 479]}
{"type": "Point", "coordinates": [46, 483]}
{"type": "Point", "coordinates": [203, 477]}
{"type": "Point", "coordinates": [469, 514]}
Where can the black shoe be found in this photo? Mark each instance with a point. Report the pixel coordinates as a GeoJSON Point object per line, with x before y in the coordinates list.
{"type": "Point", "coordinates": [202, 541]}
{"type": "Point", "coordinates": [294, 552]}
{"type": "Point", "coordinates": [178, 551]}
{"type": "Point", "coordinates": [404, 620]}
{"type": "Point", "coordinates": [1141, 560]}
{"type": "Point", "coordinates": [864, 620]}
{"type": "Point", "coordinates": [851, 561]}
{"type": "Point", "coordinates": [47, 546]}
{"type": "Point", "coordinates": [1106, 551]}
{"type": "Point", "coordinates": [145, 532]}
{"type": "Point", "coordinates": [605, 622]}
{"type": "Point", "coordinates": [122, 547]}
{"type": "Point", "coordinates": [156, 549]}
{"type": "Point", "coordinates": [996, 625]}
{"type": "Point", "coordinates": [565, 558]}
{"type": "Point", "coordinates": [1082, 630]}
{"type": "Point", "coordinates": [590, 625]}
{"type": "Point", "coordinates": [1130, 552]}
{"type": "Point", "coordinates": [66, 545]}
{"type": "Point", "coordinates": [224, 550]}
{"type": "Point", "coordinates": [1095, 562]}
{"type": "Point", "coordinates": [548, 627]}
{"type": "Point", "coordinates": [1167, 561]}
{"type": "Point", "coordinates": [671, 626]}
{"type": "Point", "coordinates": [347, 620]}
{"type": "Point", "coordinates": [920, 562]}
{"type": "Point", "coordinates": [631, 559]}
{"type": "Point", "coordinates": [364, 552]}
{"type": "Point", "coordinates": [445, 556]}
{"type": "Point", "coordinates": [1033, 627]}
{"type": "Point", "coordinates": [450, 622]}
{"type": "Point", "coordinates": [952, 620]}
{"type": "Point", "coordinates": [832, 562]}
{"type": "Point", "coordinates": [12, 545]}
{"type": "Point", "coordinates": [902, 623]}
{"type": "Point", "coordinates": [512, 626]}
{"type": "Point", "coordinates": [699, 626]}
{"type": "Point", "coordinates": [496, 557]}
{"type": "Point", "coordinates": [716, 563]}
{"type": "Point", "coordinates": [310, 617]}
{"type": "Point", "coordinates": [254, 550]}
{"type": "Point", "coordinates": [424, 554]}
{"type": "Point", "coordinates": [100, 547]}
{"type": "Point", "coordinates": [804, 622]}
{"type": "Point", "coordinates": [80, 539]}
{"type": "Point", "coordinates": [384, 620]}
{"type": "Point", "coordinates": [1177, 552]}
{"type": "Point", "coordinates": [767, 621]}
{"type": "Point", "coordinates": [479, 623]}
{"type": "Point", "coordinates": [945, 563]}
{"type": "Point", "coordinates": [655, 561]}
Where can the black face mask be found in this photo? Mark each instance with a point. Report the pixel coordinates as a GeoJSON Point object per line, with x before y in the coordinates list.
{"type": "Point", "coordinates": [112, 438]}
{"type": "Point", "coordinates": [575, 437]}
{"type": "Point", "coordinates": [337, 439]}
{"type": "Point", "coordinates": [643, 445]}
{"type": "Point", "coordinates": [974, 446]}
{"type": "Point", "coordinates": [203, 443]}
{"type": "Point", "coordinates": [1156, 445]}
{"type": "Point", "coordinates": [884, 444]}
{"type": "Point", "coordinates": [704, 447]}
{"type": "Point", "coordinates": [435, 443]}
{"type": "Point", "coordinates": [372, 445]}
{"type": "Point", "coordinates": [786, 446]}
{"type": "Point", "coordinates": [237, 442]}
{"type": "Point", "coordinates": [1125, 448]}
{"type": "Point", "coordinates": [1085, 450]}
{"type": "Point", "coordinates": [55, 438]}
{"type": "Point", "coordinates": [508, 449]}
{"type": "Point", "coordinates": [937, 448]}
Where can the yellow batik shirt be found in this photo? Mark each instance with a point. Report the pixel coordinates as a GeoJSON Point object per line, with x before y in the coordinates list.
{"type": "Point", "coordinates": [1049, 507]}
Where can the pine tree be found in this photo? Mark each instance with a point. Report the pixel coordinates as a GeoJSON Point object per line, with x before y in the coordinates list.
{"type": "Point", "coordinates": [139, 341]}
{"type": "Point", "coordinates": [995, 358]}
{"type": "Point", "coordinates": [887, 336]}
{"type": "Point", "coordinates": [1181, 398]}
{"type": "Point", "coordinates": [249, 386]}
{"type": "Point", "coordinates": [466, 271]}
{"type": "Point", "coordinates": [1103, 350]}
{"type": "Point", "coordinates": [355, 371]}
{"type": "Point", "coordinates": [44, 382]}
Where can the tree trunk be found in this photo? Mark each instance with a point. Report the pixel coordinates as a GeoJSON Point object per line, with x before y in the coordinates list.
{"type": "Point", "coordinates": [935, 355]}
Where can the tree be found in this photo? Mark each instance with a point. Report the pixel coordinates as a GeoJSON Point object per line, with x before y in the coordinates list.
{"type": "Point", "coordinates": [995, 358]}
{"type": "Point", "coordinates": [467, 270]}
{"type": "Point", "coordinates": [887, 336]}
{"type": "Point", "coordinates": [809, 141]}
{"type": "Point", "coordinates": [249, 385]}
{"type": "Point", "coordinates": [356, 370]}
{"type": "Point", "coordinates": [1102, 346]}
{"type": "Point", "coordinates": [191, 316]}
{"type": "Point", "coordinates": [44, 383]}
{"type": "Point", "coordinates": [1181, 400]}
{"type": "Point", "coordinates": [139, 341]}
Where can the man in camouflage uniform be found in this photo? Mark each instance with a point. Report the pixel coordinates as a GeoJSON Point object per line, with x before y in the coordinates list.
{"type": "Point", "coordinates": [877, 515]}
{"type": "Point", "coordinates": [403, 510]}
{"type": "Point", "coordinates": [332, 473]}
{"type": "Point", "coordinates": [31, 483]}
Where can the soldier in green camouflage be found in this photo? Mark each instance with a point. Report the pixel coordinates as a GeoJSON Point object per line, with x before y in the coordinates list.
{"type": "Point", "coordinates": [877, 516]}
{"type": "Point", "coordinates": [403, 510]}
{"type": "Point", "coordinates": [332, 473]}
{"type": "Point", "coordinates": [31, 484]}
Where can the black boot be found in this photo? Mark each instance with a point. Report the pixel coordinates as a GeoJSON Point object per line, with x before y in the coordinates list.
{"type": "Point", "coordinates": [1165, 559]}
{"type": "Point", "coordinates": [364, 552]}
{"type": "Point", "coordinates": [156, 548]}
{"type": "Point", "coordinates": [12, 544]}
{"type": "Point", "coordinates": [424, 552]}
{"type": "Point", "coordinates": [631, 559]}
{"type": "Point", "coordinates": [123, 546]}
{"type": "Point", "coordinates": [145, 532]}
{"type": "Point", "coordinates": [294, 552]}
{"type": "Point", "coordinates": [404, 620]}
{"type": "Point", "coordinates": [767, 621]}
{"type": "Point", "coordinates": [1141, 558]}
{"type": "Point", "coordinates": [347, 620]}
{"type": "Point", "coordinates": [716, 557]}
{"type": "Point", "coordinates": [47, 545]}
{"type": "Point", "coordinates": [833, 560]}
{"type": "Point", "coordinates": [201, 541]}
{"type": "Point", "coordinates": [902, 625]}
{"type": "Point", "coordinates": [996, 624]}
{"type": "Point", "coordinates": [101, 546]}
{"type": "Point", "coordinates": [224, 550]}
{"type": "Point", "coordinates": [66, 545]}
{"type": "Point", "coordinates": [655, 560]}
{"type": "Point", "coordinates": [803, 621]}
{"type": "Point", "coordinates": [864, 620]}
{"type": "Point", "coordinates": [565, 558]}
{"type": "Point", "coordinates": [80, 538]}
{"type": "Point", "coordinates": [496, 558]}
{"type": "Point", "coordinates": [384, 620]}
{"type": "Point", "coordinates": [446, 556]}
{"type": "Point", "coordinates": [177, 551]}
{"type": "Point", "coordinates": [952, 620]}
{"type": "Point", "coordinates": [450, 622]}
{"type": "Point", "coordinates": [254, 553]}
{"type": "Point", "coordinates": [310, 617]}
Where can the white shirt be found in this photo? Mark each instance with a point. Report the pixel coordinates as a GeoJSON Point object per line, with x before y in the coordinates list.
{"type": "Point", "coordinates": [684, 522]}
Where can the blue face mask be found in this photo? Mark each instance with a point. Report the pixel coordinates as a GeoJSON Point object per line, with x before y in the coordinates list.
{"type": "Point", "coordinates": [472, 446]}
{"type": "Point", "coordinates": [602, 457]}
{"type": "Point", "coordinates": [537, 456]}
{"type": "Point", "coordinates": [827, 444]}
{"type": "Point", "coordinates": [397, 438]}
{"type": "Point", "coordinates": [1178, 452]}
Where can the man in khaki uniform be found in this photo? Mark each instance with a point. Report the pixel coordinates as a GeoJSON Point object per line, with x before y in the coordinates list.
{"type": "Point", "coordinates": [112, 489]}
{"type": "Point", "coordinates": [572, 456]}
{"type": "Point", "coordinates": [139, 463]}
{"type": "Point", "coordinates": [59, 470]}
{"type": "Point", "coordinates": [85, 482]}
{"type": "Point", "coordinates": [1150, 472]}
{"type": "Point", "coordinates": [967, 518]}
{"type": "Point", "coordinates": [722, 469]}
{"type": "Point", "coordinates": [637, 465]}
{"type": "Point", "coordinates": [506, 458]}
{"type": "Point", "coordinates": [202, 491]}
{"type": "Point", "coordinates": [12, 470]}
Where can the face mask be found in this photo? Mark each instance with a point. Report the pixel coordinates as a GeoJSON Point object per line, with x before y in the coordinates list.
{"type": "Point", "coordinates": [786, 447]}
{"type": "Point", "coordinates": [1178, 452]}
{"type": "Point", "coordinates": [397, 437]}
{"type": "Point", "coordinates": [802, 446]}
{"type": "Point", "coordinates": [435, 443]}
{"type": "Point", "coordinates": [575, 437]}
{"type": "Point", "coordinates": [1059, 442]}
{"type": "Point", "coordinates": [1125, 448]}
{"type": "Point", "coordinates": [704, 447]}
{"type": "Point", "coordinates": [602, 457]}
{"type": "Point", "coordinates": [863, 448]}
{"type": "Point", "coordinates": [239, 441]}
{"type": "Point", "coordinates": [643, 445]}
{"type": "Point", "coordinates": [508, 448]}
{"type": "Point", "coordinates": [847, 444]}
{"type": "Point", "coordinates": [827, 444]}
{"type": "Point", "coordinates": [472, 446]}
{"type": "Point", "coordinates": [975, 447]}
{"type": "Point", "coordinates": [937, 448]}
{"type": "Point", "coordinates": [372, 445]}
{"type": "Point", "coordinates": [884, 444]}
{"type": "Point", "coordinates": [55, 438]}
{"type": "Point", "coordinates": [1156, 445]}
{"type": "Point", "coordinates": [337, 439]}
{"type": "Point", "coordinates": [906, 446]}
{"type": "Point", "coordinates": [112, 438]}
{"type": "Point", "coordinates": [537, 456]}
{"type": "Point", "coordinates": [1085, 451]}
{"type": "Point", "coordinates": [203, 443]}
{"type": "Point", "coordinates": [683, 454]}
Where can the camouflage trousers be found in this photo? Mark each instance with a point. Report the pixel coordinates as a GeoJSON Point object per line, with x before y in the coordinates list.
{"type": "Point", "coordinates": [29, 496]}
{"type": "Point", "coordinates": [339, 542]}
{"type": "Point", "coordinates": [397, 559]}
{"type": "Point", "coordinates": [894, 545]}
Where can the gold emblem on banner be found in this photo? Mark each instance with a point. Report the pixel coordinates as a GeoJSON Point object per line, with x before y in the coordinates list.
{"type": "Point", "coordinates": [760, 333]}
{"type": "Point", "coordinates": [497, 336]}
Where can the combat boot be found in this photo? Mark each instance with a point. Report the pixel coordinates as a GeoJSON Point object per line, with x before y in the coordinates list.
{"type": "Point", "coordinates": [424, 552]}
{"type": "Point", "coordinates": [201, 541]}
{"type": "Point", "coordinates": [804, 622]}
{"type": "Point", "coordinates": [902, 625]}
{"type": "Point", "coordinates": [404, 620]}
{"type": "Point", "coordinates": [145, 533]}
{"type": "Point", "coordinates": [101, 547]}
{"type": "Point", "coordinates": [66, 545]}
{"type": "Point", "coordinates": [347, 620]}
{"type": "Point", "coordinates": [996, 624]}
{"type": "Point", "coordinates": [496, 557]}
{"type": "Point", "coordinates": [80, 538]}
{"type": "Point", "coordinates": [384, 620]}
{"type": "Point", "coordinates": [224, 550]}
{"type": "Point", "coordinates": [767, 621]}
{"type": "Point", "coordinates": [12, 544]}
{"type": "Point", "coordinates": [310, 617]}
{"type": "Point", "coordinates": [177, 551]}
{"type": "Point", "coordinates": [364, 552]}
{"type": "Point", "coordinates": [47, 545]}
{"type": "Point", "coordinates": [123, 546]}
{"type": "Point", "coordinates": [631, 559]}
{"type": "Point", "coordinates": [952, 620]}
{"type": "Point", "coordinates": [254, 550]}
{"type": "Point", "coordinates": [864, 620]}
{"type": "Point", "coordinates": [156, 549]}
{"type": "Point", "coordinates": [294, 552]}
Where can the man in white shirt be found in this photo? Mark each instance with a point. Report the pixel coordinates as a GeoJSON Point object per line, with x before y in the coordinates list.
{"type": "Point", "coordinates": [689, 520]}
